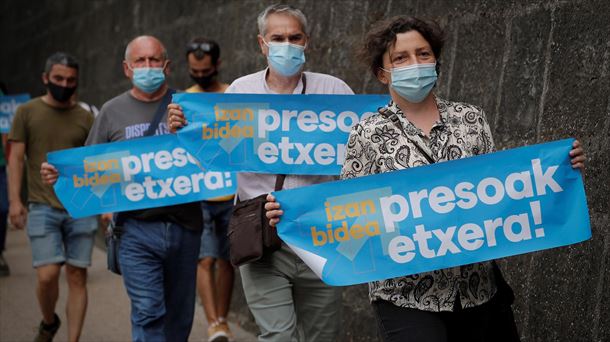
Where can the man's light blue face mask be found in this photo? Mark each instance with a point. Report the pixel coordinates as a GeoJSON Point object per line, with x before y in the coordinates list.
{"type": "Point", "coordinates": [148, 79]}
{"type": "Point", "coordinates": [414, 82]}
{"type": "Point", "coordinates": [286, 58]}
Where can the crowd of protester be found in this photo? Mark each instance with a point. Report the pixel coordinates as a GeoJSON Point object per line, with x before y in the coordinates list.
{"type": "Point", "coordinates": [164, 272]}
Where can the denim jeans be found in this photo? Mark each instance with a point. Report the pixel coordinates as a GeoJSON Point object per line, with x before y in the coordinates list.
{"type": "Point", "coordinates": [159, 265]}
{"type": "Point", "coordinates": [57, 238]}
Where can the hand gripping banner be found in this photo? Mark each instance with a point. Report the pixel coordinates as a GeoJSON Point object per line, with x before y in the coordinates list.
{"type": "Point", "coordinates": [438, 216]}
{"type": "Point", "coordinates": [135, 174]}
{"type": "Point", "coordinates": [281, 134]}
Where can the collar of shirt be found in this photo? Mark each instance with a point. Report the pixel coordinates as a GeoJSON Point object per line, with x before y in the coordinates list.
{"type": "Point", "coordinates": [268, 90]}
{"type": "Point", "coordinates": [411, 129]}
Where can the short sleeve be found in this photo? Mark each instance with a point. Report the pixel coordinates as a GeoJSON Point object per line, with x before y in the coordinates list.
{"type": "Point", "coordinates": [99, 130]}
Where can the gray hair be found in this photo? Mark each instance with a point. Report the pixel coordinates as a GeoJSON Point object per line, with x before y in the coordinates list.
{"type": "Point", "coordinates": [284, 9]}
{"type": "Point", "coordinates": [60, 58]}
{"type": "Point", "coordinates": [128, 48]}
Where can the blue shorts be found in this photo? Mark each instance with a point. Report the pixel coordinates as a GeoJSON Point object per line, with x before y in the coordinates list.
{"type": "Point", "coordinates": [214, 240]}
{"type": "Point", "coordinates": [57, 238]}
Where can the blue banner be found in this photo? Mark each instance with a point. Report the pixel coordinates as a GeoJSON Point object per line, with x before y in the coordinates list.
{"type": "Point", "coordinates": [8, 107]}
{"type": "Point", "coordinates": [134, 174]}
{"type": "Point", "coordinates": [281, 134]}
{"type": "Point", "coordinates": [438, 216]}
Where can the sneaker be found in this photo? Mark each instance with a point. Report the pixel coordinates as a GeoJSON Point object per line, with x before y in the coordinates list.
{"type": "Point", "coordinates": [5, 271]}
{"type": "Point", "coordinates": [225, 326]}
{"type": "Point", "coordinates": [47, 332]}
{"type": "Point", "coordinates": [218, 333]}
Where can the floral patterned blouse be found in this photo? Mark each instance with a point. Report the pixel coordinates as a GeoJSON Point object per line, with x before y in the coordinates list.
{"type": "Point", "coordinates": [377, 145]}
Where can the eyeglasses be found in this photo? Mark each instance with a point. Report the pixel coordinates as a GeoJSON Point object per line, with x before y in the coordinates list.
{"type": "Point", "coordinates": [205, 47]}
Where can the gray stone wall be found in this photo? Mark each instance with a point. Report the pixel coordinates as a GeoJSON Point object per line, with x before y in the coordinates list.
{"type": "Point", "coordinates": [540, 69]}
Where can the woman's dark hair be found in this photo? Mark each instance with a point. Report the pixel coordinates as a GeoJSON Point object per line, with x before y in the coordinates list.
{"type": "Point", "coordinates": [383, 35]}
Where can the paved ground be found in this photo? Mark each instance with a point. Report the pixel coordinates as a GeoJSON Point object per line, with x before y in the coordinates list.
{"type": "Point", "coordinates": [108, 313]}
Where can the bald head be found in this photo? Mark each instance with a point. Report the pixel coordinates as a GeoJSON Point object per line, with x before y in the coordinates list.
{"type": "Point", "coordinates": [144, 43]}
{"type": "Point", "coordinates": [145, 55]}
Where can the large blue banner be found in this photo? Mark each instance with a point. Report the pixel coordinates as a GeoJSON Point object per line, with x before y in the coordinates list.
{"type": "Point", "coordinates": [8, 107]}
{"type": "Point", "coordinates": [438, 216]}
{"type": "Point", "coordinates": [281, 134]}
{"type": "Point", "coordinates": [134, 174]}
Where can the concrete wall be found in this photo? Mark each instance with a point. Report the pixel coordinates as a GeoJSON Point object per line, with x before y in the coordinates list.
{"type": "Point", "coordinates": [540, 69]}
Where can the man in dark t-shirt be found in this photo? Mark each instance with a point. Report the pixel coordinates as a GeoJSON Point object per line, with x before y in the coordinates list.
{"type": "Point", "coordinates": [49, 123]}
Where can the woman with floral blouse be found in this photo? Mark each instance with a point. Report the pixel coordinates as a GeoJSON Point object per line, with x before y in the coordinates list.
{"type": "Point", "coordinates": [418, 128]}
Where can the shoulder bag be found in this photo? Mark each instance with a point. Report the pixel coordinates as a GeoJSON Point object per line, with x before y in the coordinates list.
{"type": "Point", "coordinates": [250, 235]}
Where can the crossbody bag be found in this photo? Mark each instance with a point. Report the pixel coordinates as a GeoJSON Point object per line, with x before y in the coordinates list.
{"type": "Point", "coordinates": [250, 235]}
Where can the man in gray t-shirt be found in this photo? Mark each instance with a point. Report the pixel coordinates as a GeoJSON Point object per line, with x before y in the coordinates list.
{"type": "Point", "coordinates": [125, 117]}
{"type": "Point", "coordinates": [159, 246]}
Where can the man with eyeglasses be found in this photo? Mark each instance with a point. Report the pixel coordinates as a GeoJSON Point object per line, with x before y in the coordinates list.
{"type": "Point", "coordinates": [215, 274]}
{"type": "Point", "coordinates": [287, 299]}
{"type": "Point", "coordinates": [159, 246]}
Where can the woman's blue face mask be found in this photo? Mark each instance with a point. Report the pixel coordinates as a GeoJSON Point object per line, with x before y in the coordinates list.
{"type": "Point", "coordinates": [414, 82]}
{"type": "Point", "coordinates": [286, 58]}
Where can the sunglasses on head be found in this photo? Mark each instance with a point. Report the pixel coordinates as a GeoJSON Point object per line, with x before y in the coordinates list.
{"type": "Point", "coordinates": [205, 47]}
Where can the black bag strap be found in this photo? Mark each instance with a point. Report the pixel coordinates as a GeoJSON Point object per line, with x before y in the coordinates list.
{"type": "Point", "coordinates": [279, 182]}
{"type": "Point", "coordinates": [167, 98]}
{"type": "Point", "coordinates": [279, 179]}
{"type": "Point", "coordinates": [386, 112]}
{"type": "Point", "coordinates": [304, 80]}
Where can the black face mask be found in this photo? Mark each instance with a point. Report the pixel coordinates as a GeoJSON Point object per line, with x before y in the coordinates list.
{"type": "Point", "coordinates": [205, 81]}
{"type": "Point", "coordinates": [59, 93]}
